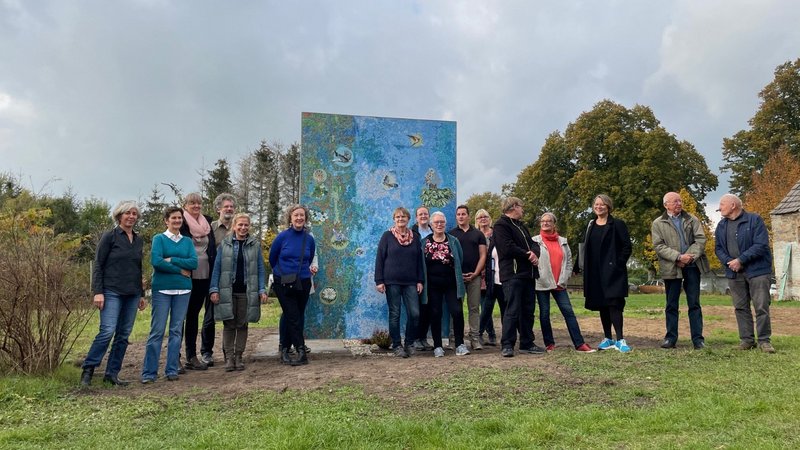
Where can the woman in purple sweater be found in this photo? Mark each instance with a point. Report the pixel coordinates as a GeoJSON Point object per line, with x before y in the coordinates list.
{"type": "Point", "coordinates": [399, 275]}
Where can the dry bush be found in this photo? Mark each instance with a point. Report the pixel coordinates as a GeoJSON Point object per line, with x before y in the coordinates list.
{"type": "Point", "coordinates": [43, 294]}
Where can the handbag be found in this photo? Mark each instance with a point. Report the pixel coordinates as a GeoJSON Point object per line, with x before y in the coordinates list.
{"type": "Point", "coordinates": [292, 280]}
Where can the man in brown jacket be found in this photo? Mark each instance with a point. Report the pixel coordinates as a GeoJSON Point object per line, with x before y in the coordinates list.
{"type": "Point", "coordinates": [679, 242]}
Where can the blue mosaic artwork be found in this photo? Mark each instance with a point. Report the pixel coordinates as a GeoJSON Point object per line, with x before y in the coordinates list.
{"type": "Point", "coordinates": [354, 172]}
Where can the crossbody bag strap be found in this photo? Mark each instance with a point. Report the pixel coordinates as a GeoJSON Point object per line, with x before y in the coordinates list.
{"type": "Point", "coordinates": [302, 254]}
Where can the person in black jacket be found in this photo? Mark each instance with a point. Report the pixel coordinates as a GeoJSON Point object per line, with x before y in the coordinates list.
{"type": "Point", "coordinates": [197, 226]}
{"type": "Point", "coordinates": [118, 293]}
{"type": "Point", "coordinates": [607, 247]}
{"type": "Point", "coordinates": [518, 257]}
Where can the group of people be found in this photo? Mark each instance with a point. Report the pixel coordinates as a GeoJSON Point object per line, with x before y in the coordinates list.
{"type": "Point", "coordinates": [429, 271]}
{"type": "Point", "coordinates": [217, 265]}
{"type": "Point", "coordinates": [198, 263]}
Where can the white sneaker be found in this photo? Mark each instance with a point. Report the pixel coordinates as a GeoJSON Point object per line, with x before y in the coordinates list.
{"type": "Point", "coordinates": [462, 350]}
{"type": "Point", "coordinates": [438, 352]}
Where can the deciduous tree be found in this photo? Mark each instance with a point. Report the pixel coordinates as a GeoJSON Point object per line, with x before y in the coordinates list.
{"type": "Point", "coordinates": [622, 152]}
{"type": "Point", "coordinates": [775, 125]}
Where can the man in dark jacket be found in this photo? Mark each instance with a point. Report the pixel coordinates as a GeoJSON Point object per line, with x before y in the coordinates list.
{"type": "Point", "coordinates": [742, 245]}
{"type": "Point", "coordinates": [518, 257]}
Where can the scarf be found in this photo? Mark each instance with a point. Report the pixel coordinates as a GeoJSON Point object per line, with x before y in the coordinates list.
{"type": "Point", "coordinates": [555, 252]}
{"type": "Point", "coordinates": [199, 228]}
{"type": "Point", "coordinates": [403, 239]}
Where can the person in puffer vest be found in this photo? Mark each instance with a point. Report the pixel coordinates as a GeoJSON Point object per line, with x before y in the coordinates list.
{"type": "Point", "coordinates": [238, 289]}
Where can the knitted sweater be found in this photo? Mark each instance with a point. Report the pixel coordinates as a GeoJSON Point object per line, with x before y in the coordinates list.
{"type": "Point", "coordinates": [167, 275]}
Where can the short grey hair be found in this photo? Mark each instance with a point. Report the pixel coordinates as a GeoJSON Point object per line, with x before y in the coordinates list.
{"type": "Point", "coordinates": [732, 198]}
{"type": "Point", "coordinates": [510, 203]}
{"type": "Point", "coordinates": [668, 195]}
{"type": "Point", "coordinates": [438, 213]}
{"type": "Point", "coordinates": [552, 216]}
{"type": "Point", "coordinates": [221, 198]}
{"type": "Point", "coordinates": [123, 207]}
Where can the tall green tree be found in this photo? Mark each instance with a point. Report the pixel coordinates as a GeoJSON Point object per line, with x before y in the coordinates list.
{"type": "Point", "coordinates": [263, 181]}
{"type": "Point", "coordinates": [622, 152]}
{"type": "Point", "coordinates": [217, 182]}
{"type": "Point", "coordinates": [776, 124]}
{"type": "Point", "coordinates": [290, 175]}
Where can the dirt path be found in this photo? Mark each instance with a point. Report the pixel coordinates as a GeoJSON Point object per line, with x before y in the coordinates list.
{"type": "Point", "coordinates": [381, 374]}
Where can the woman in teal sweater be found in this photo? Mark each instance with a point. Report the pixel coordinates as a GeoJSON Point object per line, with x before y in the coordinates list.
{"type": "Point", "coordinates": [173, 257]}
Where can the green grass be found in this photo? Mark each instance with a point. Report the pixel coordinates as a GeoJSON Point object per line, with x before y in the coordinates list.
{"type": "Point", "coordinates": [718, 398]}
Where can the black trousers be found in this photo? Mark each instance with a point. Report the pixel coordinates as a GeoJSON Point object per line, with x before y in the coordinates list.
{"type": "Point", "coordinates": [437, 295]}
{"type": "Point", "coordinates": [520, 308]}
{"type": "Point", "coordinates": [197, 299]}
{"type": "Point", "coordinates": [293, 303]}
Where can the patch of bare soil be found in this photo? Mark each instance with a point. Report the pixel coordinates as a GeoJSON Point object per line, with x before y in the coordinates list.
{"type": "Point", "coordinates": [383, 375]}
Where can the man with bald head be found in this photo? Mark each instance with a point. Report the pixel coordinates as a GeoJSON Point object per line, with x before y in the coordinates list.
{"type": "Point", "coordinates": [743, 248]}
{"type": "Point", "coordinates": [679, 241]}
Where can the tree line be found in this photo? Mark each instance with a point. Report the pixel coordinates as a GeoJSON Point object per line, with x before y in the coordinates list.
{"type": "Point", "coordinates": [627, 154]}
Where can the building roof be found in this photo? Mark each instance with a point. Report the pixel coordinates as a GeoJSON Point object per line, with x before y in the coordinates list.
{"type": "Point", "coordinates": [790, 204]}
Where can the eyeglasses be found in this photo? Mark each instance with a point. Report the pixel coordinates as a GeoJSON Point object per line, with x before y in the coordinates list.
{"type": "Point", "coordinates": [438, 222]}
{"type": "Point", "coordinates": [483, 217]}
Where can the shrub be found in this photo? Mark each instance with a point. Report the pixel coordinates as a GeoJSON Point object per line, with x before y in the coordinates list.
{"type": "Point", "coordinates": [380, 338]}
{"type": "Point", "coordinates": [43, 293]}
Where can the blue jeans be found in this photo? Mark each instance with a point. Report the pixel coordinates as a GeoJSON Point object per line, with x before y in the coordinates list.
{"type": "Point", "coordinates": [395, 296]}
{"type": "Point", "coordinates": [562, 300]}
{"type": "Point", "coordinates": [116, 320]}
{"type": "Point", "coordinates": [164, 305]}
{"type": "Point", "coordinates": [691, 285]}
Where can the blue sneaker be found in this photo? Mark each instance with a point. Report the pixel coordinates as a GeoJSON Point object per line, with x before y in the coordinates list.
{"type": "Point", "coordinates": [606, 344]}
{"type": "Point", "coordinates": [623, 347]}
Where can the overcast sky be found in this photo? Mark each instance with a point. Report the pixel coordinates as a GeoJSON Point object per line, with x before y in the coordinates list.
{"type": "Point", "coordinates": [111, 97]}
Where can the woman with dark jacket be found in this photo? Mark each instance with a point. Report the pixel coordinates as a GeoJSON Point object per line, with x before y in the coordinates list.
{"type": "Point", "coordinates": [518, 257]}
{"type": "Point", "coordinates": [607, 247]}
{"type": "Point", "coordinates": [238, 289]}
{"type": "Point", "coordinates": [399, 275]}
{"type": "Point", "coordinates": [117, 286]}
{"type": "Point", "coordinates": [444, 283]}
{"type": "Point", "coordinates": [290, 257]}
{"type": "Point", "coordinates": [491, 289]}
{"type": "Point", "coordinates": [197, 226]}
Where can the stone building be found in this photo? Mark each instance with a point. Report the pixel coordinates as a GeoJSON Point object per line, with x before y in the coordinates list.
{"type": "Point", "coordinates": [785, 236]}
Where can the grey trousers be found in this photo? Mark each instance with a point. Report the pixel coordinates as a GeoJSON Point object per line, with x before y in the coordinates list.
{"type": "Point", "coordinates": [474, 306]}
{"type": "Point", "coordinates": [756, 290]}
{"type": "Point", "coordinates": [234, 332]}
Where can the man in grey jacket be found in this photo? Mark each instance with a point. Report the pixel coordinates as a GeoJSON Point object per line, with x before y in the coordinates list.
{"type": "Point", "coordinates": [679, 241]}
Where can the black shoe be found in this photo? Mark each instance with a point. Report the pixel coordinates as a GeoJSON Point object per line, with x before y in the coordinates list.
{"type": "Point", "coordinates": [285, 359]}
{"type": "Point", "coordinates": [172, 378]}
{"type": "Point", "coordinates": [699, 345]}
{"type": "Point", "coordinates": [113, 379]}
{"type": "Point", "coordinates": [507, 352]}
{"type": "Point", "coordinates": [668, 344]}
{"type": "Point", "coordinates": [491, 341]}
{"type": "Point", "coordinates": [207, 359]}
{"type": "Point", "coordinates": [86, 376]}
{"type": "Point", "coordinates": [302, 358]}
{"type": "Point", "coordinates": [194, 364]}
{"type": "Point", "coordinates": [306, 349]}
{"type": "Point", "coordinates": [230, 364]}
{"type": "Point", "coordinates": [148, 381]}
{"type": "Point", "coordinates": [533, 350]}
{"type": "Point", "coordinates": [237, 362]}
